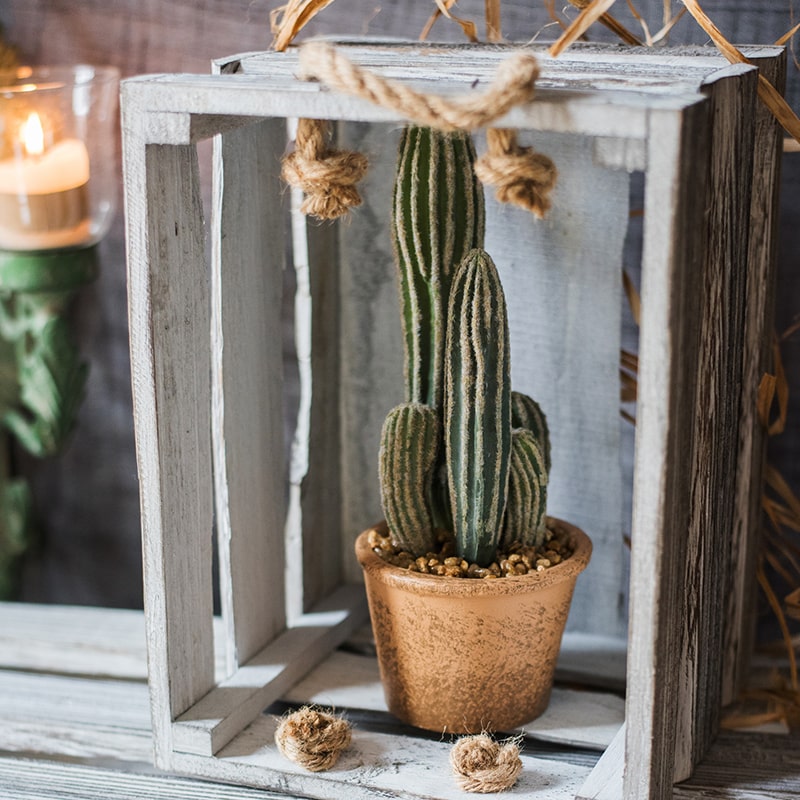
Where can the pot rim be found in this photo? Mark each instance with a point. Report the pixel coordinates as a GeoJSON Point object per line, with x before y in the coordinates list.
{"type": "Point", "coordinates": [420, 583]}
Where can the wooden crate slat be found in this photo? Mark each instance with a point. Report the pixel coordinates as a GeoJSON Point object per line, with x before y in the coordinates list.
{"type": "Point", "coordinates": [235, 702]}
{"type": "Point", "coordinates": [320, 488]}
{"type": "Point", "coordinates": [170, 354]}
{"type": "Point", "coordinates": [757, 360]}
{"type": "Point", "coordinates": [605, 780]}
{"type": "Point", "coordinates": [245, 95]}
{"type": "Point", "coordinates": [669, 340]}
{"type": "Point", "coordinates": [562, 278]}
{"type": "Point", "coordinates": [717, 407]}
{"type": "Point", "coordinates": [248, 260]}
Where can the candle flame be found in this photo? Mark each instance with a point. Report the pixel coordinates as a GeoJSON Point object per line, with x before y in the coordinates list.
{"type": "Point", "coordinates": [32, 135]}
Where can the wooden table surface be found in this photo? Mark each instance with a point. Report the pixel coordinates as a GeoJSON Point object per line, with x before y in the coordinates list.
{"type": "Point", "coordinates": [75, 723]}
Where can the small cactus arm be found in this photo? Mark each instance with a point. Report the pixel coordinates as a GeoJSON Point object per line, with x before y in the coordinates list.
{"type": "Point", "coordinates": [527, 413]}
{"type": "Point", "coordinates": [527, 492]}
{"type": "Point", "coordinates": [409, 445]}
{"type": "Point", "coordinates": [477, 426]}
{"type": "Point", "coordinates": [438, 217]}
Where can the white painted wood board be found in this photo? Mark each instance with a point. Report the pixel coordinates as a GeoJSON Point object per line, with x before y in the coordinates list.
{"type": "Point", "coordinates": [248, 256]}
{"type": "Point", "coordinates": [562, 278]}
{"type": "Point", "coordinates": [73, 716]}
{"type": "Point", "coordinates": [29, 779]}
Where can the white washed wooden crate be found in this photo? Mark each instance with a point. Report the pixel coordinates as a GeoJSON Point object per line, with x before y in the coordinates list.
{"type": "Point", "coordinates": [207, 379]}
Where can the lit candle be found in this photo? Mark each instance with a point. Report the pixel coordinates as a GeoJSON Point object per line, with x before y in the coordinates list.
{"type": "Point", "coordinates": [43, 192]}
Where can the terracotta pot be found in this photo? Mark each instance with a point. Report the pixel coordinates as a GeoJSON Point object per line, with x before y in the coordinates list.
{"type": "Point", "coordinates": [463, 655]}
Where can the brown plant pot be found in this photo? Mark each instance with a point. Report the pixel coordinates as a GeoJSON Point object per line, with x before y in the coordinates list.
{"type": "Point", "coordinates": [465, 655]}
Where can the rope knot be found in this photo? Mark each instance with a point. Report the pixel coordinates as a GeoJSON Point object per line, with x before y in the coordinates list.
{"type": "Point", "coordinates": [312, 738]}
{"type": "Point", "coordinates": [520, 175]}
{"type": "Point", "coordinates": [328, 177]}
{"type": "Point", "coordinates": [480, 764]}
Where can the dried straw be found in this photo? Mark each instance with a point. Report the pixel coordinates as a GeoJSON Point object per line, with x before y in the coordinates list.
{"type": "Point", "coordinates": [588, 16]}
{"type": "Point", "coordinates": [287, 21]}
{"type": "Point", "coordinates": [768, 94]}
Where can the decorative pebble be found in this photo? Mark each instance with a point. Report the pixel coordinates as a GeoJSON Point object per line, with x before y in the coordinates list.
{"type": "Point", "coordinates": [482, 765]}
{"type": "Point", "coordinates": [517, 560]}
{"type": "Point", "coordinates": [312, 738]}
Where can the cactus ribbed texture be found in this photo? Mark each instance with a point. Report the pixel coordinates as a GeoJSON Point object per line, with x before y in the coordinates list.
{"type": "Point", "coordinates": [438, 217]}
{"type": "Point", "coordinates": [477, 426]}
{"type": "Point", "coordinates": [448, 458]}
{"type": "Point", "coordinates": [527, 492]}
{"type": "Point", "coordinates": [409, 444]}
{"type": "Point", "coordinates": [526, 413]}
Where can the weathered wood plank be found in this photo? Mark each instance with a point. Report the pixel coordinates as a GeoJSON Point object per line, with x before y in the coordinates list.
{"type": "Point", "coordinates": [562, 281]}
{"type": "Point", "coordinates": [375, 764]}
{"type": "Point", "coordinates": [320, 488]}
{"type": "Point", "coordinates": [757, 358]}
{"type": "Point", "coordinates": [675, 192]}
{"type": "Point", "coordinates": [76, 717]}
{"type": "Point", "coordinates": [247, 424]}
{"type": "Point", "coordinates": [717, 408]}
{"type": "Point", "coordinates": [235, 702]}
{"type": "Point", "coordinates": [168, 309]}
{"type": "Point", "coordinates": [746, 766]}
{"type": "Point", "coordinates": [605, 780]}
{"type": "Point", "coordinates": [27, 779]}
{"type": "Point", "coordinates": [78, 640]}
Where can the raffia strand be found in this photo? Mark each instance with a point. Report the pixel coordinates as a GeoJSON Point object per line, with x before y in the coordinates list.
{"type": "Point", "coordinates": [328, 177]}
{"type": "Point", "coordinates": [520, 175]}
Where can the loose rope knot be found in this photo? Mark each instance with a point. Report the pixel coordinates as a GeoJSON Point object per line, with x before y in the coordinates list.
{"type": "Point", "coordinates": [513, 84]}
{"type": "Point", "coordinates": [328, 177]}
{"type": "Point", "coordinates": [483, 765]}
{"type": "Point", "coordinates": [312, 738]}
{"type": "Point", "coordinates": [520, 175]}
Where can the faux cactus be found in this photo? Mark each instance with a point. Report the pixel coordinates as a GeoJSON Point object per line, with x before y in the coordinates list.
{"type": "Point", "coordinates": [527, 492]}
{"type": "Point", "coordinates": [477, 415]}
{"type": "Point", "coordinates": [526, 413]}
{"type": "Point", "coordinates": [463, 453]}
{"type": "Point", "coordinates": [409, 444]}
{"type": "Point", "coordinates": [438, 217]}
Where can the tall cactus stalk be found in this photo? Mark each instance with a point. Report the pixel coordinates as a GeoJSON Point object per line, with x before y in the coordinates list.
{"type": "Point", "coordinates": [477, 414]}
{"type": "Point", "coordinates": [438, 217]}
{"type": "Point", "coordinates": [448, 458]}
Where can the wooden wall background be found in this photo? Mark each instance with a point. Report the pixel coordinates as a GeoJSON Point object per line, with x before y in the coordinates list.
{"type": "Point", "coordinates": [89, 496]}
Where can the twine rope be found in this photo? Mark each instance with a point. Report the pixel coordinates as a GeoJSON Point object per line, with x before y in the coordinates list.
{"type": "Point", "coordinates": [328, 177]}
{"type": "Point", "coordinates": [513, 84]}
{"type": "Point", "coordinates": [520, 175]}
{"type": "Point", "coordinates": [312, 738]}
{"type": "Point", "coordinates": [485, 766]}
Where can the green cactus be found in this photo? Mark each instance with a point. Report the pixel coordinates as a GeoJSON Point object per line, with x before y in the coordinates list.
{"type": "Point", "coordinates": [477, 414]}
{"type": "Point", "coordinates": [409, 445]}
{"type": "Point", "coordinates": [527, 492]}
{"type": "Point", "coordinates": [526, 413]}
{"type": "Point", "coordinates": [448, 456]}
{"type": "Point", "coordinates": [438, 217]}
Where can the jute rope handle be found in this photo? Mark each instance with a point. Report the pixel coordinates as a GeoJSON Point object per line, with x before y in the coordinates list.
{"type": "Point", "coordinates": [520, 175]}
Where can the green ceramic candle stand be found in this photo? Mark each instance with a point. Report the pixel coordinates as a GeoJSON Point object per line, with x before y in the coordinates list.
{"type": "Point", "coordinates": [42, 379]}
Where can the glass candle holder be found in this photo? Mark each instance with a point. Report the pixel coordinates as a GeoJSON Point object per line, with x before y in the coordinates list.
{"type": "Point", "coordinates": [58, 168]}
